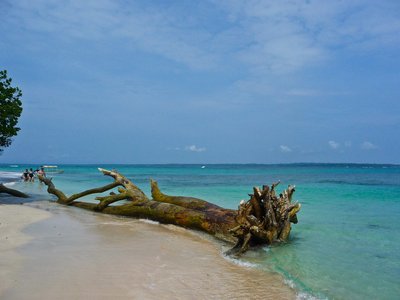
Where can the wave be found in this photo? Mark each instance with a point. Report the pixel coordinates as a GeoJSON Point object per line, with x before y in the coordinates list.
{"type": "Point", "coordinates": [149, 221]}
{"type": "Point", "coordinates": [301, 295]}
{"type": "Point", "coordinates": [307, 296]}
{"type": "Point", "coordinates": [114, 223]}
{"type": "Point", "coordinates": [9, 178]}
{"type": "Point", "coordinates": [10, 175]}
{"type": "Point", "coordinates": [239, 262]}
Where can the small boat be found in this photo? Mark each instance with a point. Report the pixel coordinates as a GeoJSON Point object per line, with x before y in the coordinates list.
{"type": "Point", "coordinates": [52, 170]}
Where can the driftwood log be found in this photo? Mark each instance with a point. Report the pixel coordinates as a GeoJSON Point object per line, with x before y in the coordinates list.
{"type": "Point", "coordinates": [12, 192]}
{"type": "Point", "coordinates": [264, 219]}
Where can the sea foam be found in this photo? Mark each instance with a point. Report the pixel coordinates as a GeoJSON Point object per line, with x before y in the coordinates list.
{"type": "Point", "coordinates": [239, 262]}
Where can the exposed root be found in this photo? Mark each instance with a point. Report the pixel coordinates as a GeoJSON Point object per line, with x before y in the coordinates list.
{"type": "Point", "coordinates": [264, 218]}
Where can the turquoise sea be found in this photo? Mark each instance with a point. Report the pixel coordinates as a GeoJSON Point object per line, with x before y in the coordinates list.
{"type": "Point", "coordinates": [345, 246]}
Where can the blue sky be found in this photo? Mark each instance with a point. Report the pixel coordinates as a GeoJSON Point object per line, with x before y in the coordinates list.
{"type": "Point", "coordinates": [204, 81]}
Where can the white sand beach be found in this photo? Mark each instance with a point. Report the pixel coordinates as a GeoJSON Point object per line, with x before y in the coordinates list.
{"type": "Point", "coordinates": [13, 218]}
{"type": "Point", "coordinates": [75, 254]}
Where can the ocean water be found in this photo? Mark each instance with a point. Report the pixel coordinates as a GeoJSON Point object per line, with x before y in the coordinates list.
{"type": "Point", "coordinates": [345, 246]}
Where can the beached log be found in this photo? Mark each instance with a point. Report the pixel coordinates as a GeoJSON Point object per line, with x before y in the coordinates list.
{"type": "Point", "coordinates": [12, 192]}
{"type": "Point", "coordinates": [264, 219]}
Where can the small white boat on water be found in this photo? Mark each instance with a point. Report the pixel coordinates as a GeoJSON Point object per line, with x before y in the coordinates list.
{"type": "Point", "coordinates": [52, 170]}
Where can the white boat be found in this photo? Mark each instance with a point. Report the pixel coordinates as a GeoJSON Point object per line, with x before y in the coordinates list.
{"type": "Point", "coordinates": [52, 170]}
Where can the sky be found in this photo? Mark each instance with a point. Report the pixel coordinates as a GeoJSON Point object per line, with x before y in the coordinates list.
{"type": "Point", "coordinates": [208, 81]}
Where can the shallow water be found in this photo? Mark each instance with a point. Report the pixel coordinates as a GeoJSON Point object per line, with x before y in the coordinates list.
{"type": "Point", "coordinates": [346, 243]}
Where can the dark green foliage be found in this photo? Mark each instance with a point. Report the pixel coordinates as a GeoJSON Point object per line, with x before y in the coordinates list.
{"type": "Point", "coordinates": [10, 110]}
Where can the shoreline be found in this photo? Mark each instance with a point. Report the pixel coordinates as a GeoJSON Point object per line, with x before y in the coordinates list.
{"type": "Point", "coordinates": [105, 257]}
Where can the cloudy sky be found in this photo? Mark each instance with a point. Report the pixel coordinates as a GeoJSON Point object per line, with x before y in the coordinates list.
{"type": "Point", "coordinates": [116, 81]}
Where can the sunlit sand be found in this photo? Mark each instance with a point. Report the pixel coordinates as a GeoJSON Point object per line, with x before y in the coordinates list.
{"type": "Point", "coordinates": [80, 255]}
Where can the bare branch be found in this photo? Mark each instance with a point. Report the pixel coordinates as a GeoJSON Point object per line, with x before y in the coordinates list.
{"type": "Point", "coordinates": [107, 200]}
{"type": "Point", "coordinates": [93, 191]}
{"type": "Point", "coordinates": [51, 189]}
{"type": "Point", "coordinates": [133, 191]}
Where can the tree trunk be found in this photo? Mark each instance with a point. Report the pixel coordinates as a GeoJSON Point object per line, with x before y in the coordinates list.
{"type": "Point", "coordinates": [12, 192]}
{"type": "Point", "coordinates": [264, 219]}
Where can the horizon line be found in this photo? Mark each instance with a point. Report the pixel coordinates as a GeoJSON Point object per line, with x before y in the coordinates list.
{"type": "Point", "coordinates": [201, 164]}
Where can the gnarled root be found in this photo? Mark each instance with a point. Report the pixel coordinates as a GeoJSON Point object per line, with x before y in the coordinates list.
{"type": "Point", "coordinates": [264, 219]}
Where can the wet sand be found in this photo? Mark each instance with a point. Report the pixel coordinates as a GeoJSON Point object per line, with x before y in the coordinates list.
{"type": "Point", "coordinates": [13, 218]}
{"type": "Point", "coordinates": [77, 254]}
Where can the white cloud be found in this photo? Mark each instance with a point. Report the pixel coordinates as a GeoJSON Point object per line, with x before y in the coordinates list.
{"type": "Point", "coordinates": [141, 26]}
{"type": "Point", "coordinates": [289, 35]}
{"type": "Point", "coordinates": [194, 148]}
{"type": "Point", "coordinates": [285, 149]}
{"type": "Point", "coordinates": [348, 144]}
{"type": "Point", "coordinates": [368, 146]}
{"type": "Point", "coordinates": [173, 149]}
{"type": "Point", "coordinates": [265, 36]}
{"type": "Point", "coordinates": [333, 144]}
